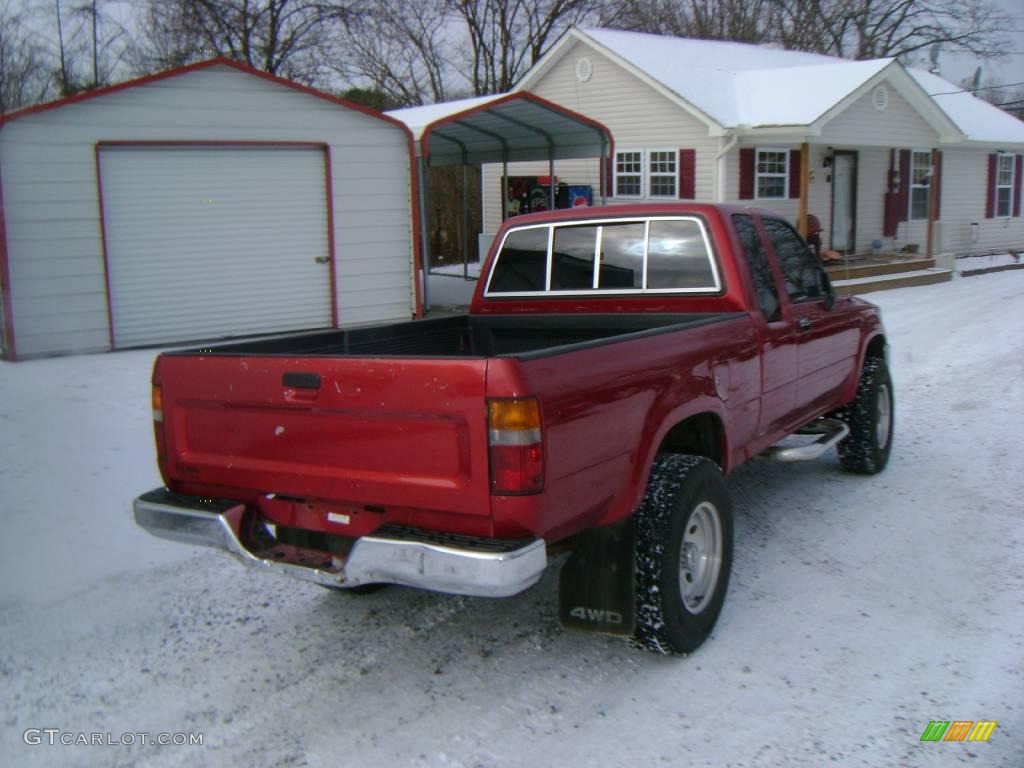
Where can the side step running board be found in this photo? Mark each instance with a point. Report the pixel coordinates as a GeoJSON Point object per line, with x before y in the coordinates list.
{"type": "Point", "coordinates": [829, 431]}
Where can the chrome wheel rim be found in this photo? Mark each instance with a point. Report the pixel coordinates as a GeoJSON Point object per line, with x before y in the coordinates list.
{"type": "Point", "coordinates": [700, 557]}
{"type": "Point", "coordinates": [884, 416]}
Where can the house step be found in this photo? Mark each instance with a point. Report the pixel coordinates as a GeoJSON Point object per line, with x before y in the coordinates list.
{"type": "Point", "coordinates": [857, 269]}
{"type": "Point", "coordinates": [862, 285]}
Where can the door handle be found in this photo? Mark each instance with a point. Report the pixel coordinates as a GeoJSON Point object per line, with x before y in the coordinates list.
{"type": "Point", "coordinates": [804, 324]}
{"type": "Point", "coordinates": [322, 259]}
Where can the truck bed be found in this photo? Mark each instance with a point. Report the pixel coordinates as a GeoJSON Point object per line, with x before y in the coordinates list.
{"type": "Point", "coordinates": [527, 336]}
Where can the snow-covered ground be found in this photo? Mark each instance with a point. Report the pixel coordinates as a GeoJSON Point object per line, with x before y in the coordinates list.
{"type": "Point", "coordinates": [968, 263]}
{"type": "Point", "coordinates": [859, 610]}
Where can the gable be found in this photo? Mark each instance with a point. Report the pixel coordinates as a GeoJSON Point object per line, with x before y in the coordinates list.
{"type": "Point", "coordinates": [588, 81]}
{"type": "Point", "coordinates": [863, 123]}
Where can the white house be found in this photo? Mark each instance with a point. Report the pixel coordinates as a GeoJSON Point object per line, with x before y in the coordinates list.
{"type": "Point", "coordinates": [850, 142]}
{"type": "Point", "coordinates": [209, 201]}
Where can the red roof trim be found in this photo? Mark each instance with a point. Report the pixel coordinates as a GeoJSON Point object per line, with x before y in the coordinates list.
{"type": "Point", "coordinates": [196, 67]}
{"type": "Point", "coordinates": [518, 96]}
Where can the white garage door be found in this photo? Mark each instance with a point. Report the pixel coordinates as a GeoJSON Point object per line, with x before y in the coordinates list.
{"type": "Point", "coordinates": [209, 242]}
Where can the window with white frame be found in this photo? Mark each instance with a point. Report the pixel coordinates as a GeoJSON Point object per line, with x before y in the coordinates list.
{"type": "Point", "coordinates": [772, 173]}
{"type": "Point", "coordinates": [662, 172]}
{"type": "Point", "coordinates": [920, 183]}
{"type": "Point", "coordinates": [1004, 185]}
{"type": "Point", "coordinates": [629, 173]}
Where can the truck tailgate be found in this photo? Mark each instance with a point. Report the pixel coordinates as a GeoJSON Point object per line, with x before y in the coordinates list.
{"type": "Point", "coordinates": [371, 431]}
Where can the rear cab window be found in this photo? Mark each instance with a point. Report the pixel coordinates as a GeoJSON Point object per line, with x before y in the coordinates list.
{"type": "Point", "coordinates": [630, 255]}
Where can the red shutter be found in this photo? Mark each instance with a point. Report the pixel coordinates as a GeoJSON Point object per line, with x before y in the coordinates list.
{"type": "Point", "coordinates": [891, 222]}
{"type": "Point", "coordinates": [904, 191]}
{"type": "Point", "coordinates": [747, 173]}
{"type": "Point", "coordinates": [794, 173]}
{"type": "Point", "coordinates": [1016, 184]}
{"type": "Point", "coordinates": [687, 174]}
{"type": "Point", "coordinates": [937, 181]}
{"type": "Point", "coordinates": [609, 177]}
{"type": "Point", "coordinates": [990, 189]}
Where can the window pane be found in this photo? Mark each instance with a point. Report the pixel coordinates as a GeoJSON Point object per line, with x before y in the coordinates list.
{"type": "Point", "coordinates": [677, 256]}
{"type": "Point", "coordinates": [522, 263]}
{"type": "Point", "coordinates": [628, 162]}
{"type": "Point", "coordinates": [622, 256]}
{"type": "Point", "coordinates": [919, 203]}
{"type": "Point", "coordinates": [802, 274]}
{"type": "Point", "coordinates": [627, 185]}
{"type": "Point", "coordinates": [771, 162]}
{"type": "Point", "coordinates": [663, 186]}
{"type": "Point", "coordinates": [1005, 175]}
{"type": "Point", "coordinates": [760, 270]}
{"type": "Point", "coordinates": [771, 186]}
{"type": "Point", "coordinates": [572, 258]}
{"type": "Point", "coordinates": [1003, 197]}
{"type": "Point", "coordinates": [663, 162]}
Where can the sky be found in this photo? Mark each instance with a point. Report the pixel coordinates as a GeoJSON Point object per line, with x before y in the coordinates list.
{"type": "Point", "coordinates": [954, 67]}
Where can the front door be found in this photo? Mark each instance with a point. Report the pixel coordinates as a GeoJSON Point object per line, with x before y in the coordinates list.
{"type": "Point", "coordinates": [844, 201]}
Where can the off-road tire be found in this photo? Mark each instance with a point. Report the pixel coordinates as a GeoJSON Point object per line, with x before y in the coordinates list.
{"type": "Point", "coordinates": [870, 418]}
{"type": "Point", "coordinates": [686, 495]}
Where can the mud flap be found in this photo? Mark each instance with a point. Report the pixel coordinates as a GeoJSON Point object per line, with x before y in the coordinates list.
{"type": "Point", "coordinates": [596, 585]}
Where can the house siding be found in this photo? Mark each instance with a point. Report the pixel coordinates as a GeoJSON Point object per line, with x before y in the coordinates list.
{"type": "Point", "coordinates": [51, 205]}
{"type": "Point", "coordinates": [963, 202]}
{"type": "Point", "coordinates": [638, 116]}
{"type": "Point", "coordinates": [898, 125]}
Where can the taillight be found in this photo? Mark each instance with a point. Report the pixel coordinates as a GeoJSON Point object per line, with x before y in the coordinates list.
{"type": "Point", "coordinates": [516, 446]}
{"type": "Point", "coordinates": [158, 422]}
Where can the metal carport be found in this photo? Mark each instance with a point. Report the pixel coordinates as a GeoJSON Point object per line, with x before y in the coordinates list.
{"type": "Point", "coordinates": [503, 128]}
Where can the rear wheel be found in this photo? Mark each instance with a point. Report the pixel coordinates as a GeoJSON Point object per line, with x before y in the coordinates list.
{"type": "Point", "coordinates": [870, 418]}
{"type": "Point", "coordinates": [683, 554]}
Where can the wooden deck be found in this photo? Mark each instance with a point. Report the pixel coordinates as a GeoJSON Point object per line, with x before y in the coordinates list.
{"type": "Point", "coordinates": [860, 274]}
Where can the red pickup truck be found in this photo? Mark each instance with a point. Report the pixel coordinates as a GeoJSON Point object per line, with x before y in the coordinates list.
{"type": "Point", "coordinates": [615, 364]}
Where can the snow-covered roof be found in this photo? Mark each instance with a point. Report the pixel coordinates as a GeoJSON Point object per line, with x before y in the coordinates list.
{"type": "Point", "coordinates": [980, 121]}
{"type": "Point", "coordinates": [418, 118]}
{"type": "Point", "coordinates": [738, 84]}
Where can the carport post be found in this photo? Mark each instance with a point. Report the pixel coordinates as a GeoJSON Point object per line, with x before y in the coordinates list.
{"type": "Point", "coordinates": [504, 187]}
{"type": "Point", "coordinates": [465, 220]}
{"type": "Point", "coordinates": [804, 179]}
{"type": "Point", "coordinates": [551, 176]}
{"type": "Point", "coordinates": [424, 239]}
{"type": "Point", "coordinates": [933, 204]}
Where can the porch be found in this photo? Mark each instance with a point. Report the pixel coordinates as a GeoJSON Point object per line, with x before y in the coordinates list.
{"type": "Point", "coordinates": [858, 274]}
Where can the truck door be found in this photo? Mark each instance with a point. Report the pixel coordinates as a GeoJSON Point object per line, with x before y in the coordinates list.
{"type": "Point", "coordinates": [827, 339]}
{"type": "Point", "coordinates": [779, 361]}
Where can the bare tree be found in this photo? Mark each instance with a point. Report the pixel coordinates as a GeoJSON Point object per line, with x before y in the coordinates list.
{"type": "Point", "coordinates": [507, 37]}
{"type": "Point", "coordinates": [746, 21]}
{"type": "Point", "coordinates": [90, 45]}
{"type": "Point", "coordinates": [855, 29]}
{"type": "Point", "coordinates": [23, 63]}
{"type": "Point", "coordinates": [401, 50]}
{"type": "Point", "coordinates": [290, 38]}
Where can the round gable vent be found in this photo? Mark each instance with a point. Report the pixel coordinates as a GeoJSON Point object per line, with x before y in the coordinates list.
{"type": "Point", "coordinates": [880, 97]}
{"type": "Point", "coordinates": [584, 69]}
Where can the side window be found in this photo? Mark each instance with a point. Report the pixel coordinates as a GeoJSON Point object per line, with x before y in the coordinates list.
{"type": "Point", "coordinates": [572, 258]}
{"type": "Point", "coordinates": [677, 256]}
{"type": "Point", "coordinates": [622, 256]}
{"type": "Point", "coordinates": [801, 272]}
{"type": "Point", "coordinates": [522, 264]}
{"type": "Point", "coordinates": [760, 269]}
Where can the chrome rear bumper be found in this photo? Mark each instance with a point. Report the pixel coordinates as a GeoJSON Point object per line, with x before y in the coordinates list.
{"type": "Point", "coordinates": [459, 565]}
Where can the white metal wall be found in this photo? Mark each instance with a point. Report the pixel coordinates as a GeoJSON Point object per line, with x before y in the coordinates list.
{"type": "Point", "coordinates": [208, 242]}
{"type": "Point", "coordinates": [51, 203]}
